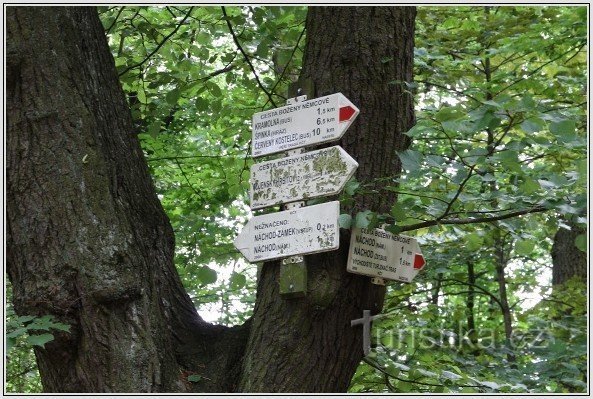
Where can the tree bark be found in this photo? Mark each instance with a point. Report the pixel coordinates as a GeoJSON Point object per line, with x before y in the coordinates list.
{"type": "Point", "coordinates": [87, 239]}
{"type": "Point", "coordinates": [471, 295]}
{"type": "Point", "coordinates": [500, 264]}
{"type": "Point", "coordinates": [567, 260]}
{"type": "Point", "coordinates": [307, 344]}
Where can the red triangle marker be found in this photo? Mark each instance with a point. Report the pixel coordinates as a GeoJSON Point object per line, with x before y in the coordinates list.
{"type": "Point", "coordinates": [419, 261]}
{"type": "Point", "coordinates": [346, 113]}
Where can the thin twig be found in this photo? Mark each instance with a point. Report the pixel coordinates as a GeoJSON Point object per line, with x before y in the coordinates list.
{"type": "Point", "coordinates": [188, 182]}
{"type": "Point", "coordinates": [288, 62]}
{"type": "Point", "coordinates": [115, 20]}
{"type": "Point", "coordinates": [158, 47]}
{"type": "Point", "coordinates": [238, 44]}
{"type": "Point", "coordinates": [461, 93]}
{"type": "Point", "coordinates": [536, 70]}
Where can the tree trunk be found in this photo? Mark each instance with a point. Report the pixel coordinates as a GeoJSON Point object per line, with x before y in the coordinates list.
{"type": "Point", "coordinates": [470, 303]}
{"type": "Point", "coordinates": [307, 344]}
{"type": "Point", "coordinates": [500, 265]}
{"type": "Point", "coordinates": [87, 239]}
{"type": "Point", "coordinates": [567, 260]}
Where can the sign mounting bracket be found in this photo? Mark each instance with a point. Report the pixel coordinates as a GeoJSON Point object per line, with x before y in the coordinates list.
{"type": "Point", "coordinates": [293, 270]}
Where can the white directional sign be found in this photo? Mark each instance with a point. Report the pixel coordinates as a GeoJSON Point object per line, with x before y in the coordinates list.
{"type": "Point", "coordinates": [378, 253]}
{"type": "Point", "coordinates": [297, 231]}
{"type": "Point", "coordinates": [309, 175]}
{"type": "Point", "coordinates": [301, 124]}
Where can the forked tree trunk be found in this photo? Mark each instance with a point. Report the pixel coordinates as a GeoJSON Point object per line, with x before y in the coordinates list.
{"type": "Point", "coordinates": [307, 344]}
{"type": "Point", "coordinates": [88, 241]}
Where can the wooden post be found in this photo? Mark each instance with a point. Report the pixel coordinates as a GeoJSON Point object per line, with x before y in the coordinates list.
{"type": "Point", "coordinates": [293, 270]}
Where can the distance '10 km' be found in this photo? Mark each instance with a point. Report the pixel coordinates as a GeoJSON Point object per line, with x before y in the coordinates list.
{"type": "Point", "coordinates": [310, 122]}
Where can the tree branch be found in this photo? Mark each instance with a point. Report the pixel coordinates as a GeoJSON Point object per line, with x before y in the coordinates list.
{"type": "Point", "coordinates": [461, 93]}
{"type": "Point", "coordinates": [483, 290]}
{"type": "Point", "coordinates": [177, 158]}
{"type": "Point", "coordinates": [458, 193]}
{"type": "Point", "coordinates": [536, 70]}
{"type": "Point", "coordinates": [289, 60]}
{"type": "Point", "coordinates": [158, 47]}
{"type": "Point", "coordinates": [472, 220]}
{"type": "Point", "coordinates": [188, 182]}
{"type": "Point", "coordinates": [240, 48]}
{"type": "Point", "coordinates": [115, 20]}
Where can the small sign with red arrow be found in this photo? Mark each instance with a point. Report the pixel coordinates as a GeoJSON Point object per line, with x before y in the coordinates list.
{"type": "Point", "coordinates": [311, 122]}
{"type": "Point", "coordinates": [378, 253]}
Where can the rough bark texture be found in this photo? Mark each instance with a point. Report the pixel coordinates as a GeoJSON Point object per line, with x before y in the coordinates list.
{"type": "Point", "coordinates": [307, 344]}
{"type": "Point", "coordinates": [87, 239]}
{"type": "Point", "coordinates": [567, 260]}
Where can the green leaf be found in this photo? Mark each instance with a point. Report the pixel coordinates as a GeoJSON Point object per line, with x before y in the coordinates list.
{"type": "Point", "coordinates": [194, 378]}
{"type": "Point", "coordinates": [25, 319]}
{"type": "Point", "coordinates": [141, 96]}
{"type": "Point", "coordinates": [533, 125]}
{"type": "Point", "coordinates": [40, 340]}
{"type": "Point", "coordinates": [351, 187]}
{"type": "Point", "coordinates": [529, 186]}
{"type": "Point", "coordinates": [563, 128]}
{"type": "Point", "coordinates": [416, 130]}
{"type": "Point", "coordinates": [344, 221]}
{"type": "Point", "coordinates": [154, 128]}
{"type": "Point", "coordinates": [524, 247]}
{"type": "Point", "coordinates": [214, 89]}
{"type": "Point", "coordinates": [237, 281]}
{"type": "Point", "coordinates": [172, 96]}
{"type": "Point", "coordinates": [363, 219]}
{"type": "Point", "coordinates": [473, 241]}
{"type": "Point", "coordinates": [202, 104]}
{"type": "Point", "coordinates": [581, 242]}
{"type": "Point", "coordinates": [410, 159]}
{"type": "Point", "coordinates": [207, 275]}
{"type": "Point", "coordinates": [398, 212]}
{"type": "Point", "coordinates": [446, 114]}
{"type": "Point", "coordinates": [10, 342]}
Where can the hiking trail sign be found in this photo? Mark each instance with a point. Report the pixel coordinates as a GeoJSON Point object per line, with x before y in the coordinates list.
{"type": "Point", "coordinates": [302, 231]}
{"type": "Point", "coordinates": [300, 124]}
{"type": "Point", "coordinates": [378, 253]}
{"type": "Point", "coordinates": [302, 176]}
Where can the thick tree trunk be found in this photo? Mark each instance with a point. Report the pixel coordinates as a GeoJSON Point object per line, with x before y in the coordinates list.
{"type": "Point", "coordinates": [87, 239]}
{"type": "Point", "coordinates": [307, 344]}
{"type": "Point", "coordinates": [567, 260]}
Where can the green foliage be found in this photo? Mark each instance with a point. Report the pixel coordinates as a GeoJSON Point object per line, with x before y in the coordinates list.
{"type": "Point", "coordinates": [501, 132]}
{"type": "Point", "coordinates": [22, 334]}
{"type": "Point", "coordinates": [501, 129]}
{"type": "Point", "coordinates": [192, 92]}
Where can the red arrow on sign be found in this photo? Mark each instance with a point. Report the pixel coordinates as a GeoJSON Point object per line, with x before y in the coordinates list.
{"type": "Point", "coordinates": [346, 113]}
{"type": "Point", "coordinates": [419, 261]}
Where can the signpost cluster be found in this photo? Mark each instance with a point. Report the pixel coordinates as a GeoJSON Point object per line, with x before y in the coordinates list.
{"type": "Point", "coordinates": [297, 177]}
{"type": "Point", "coordinates": [302, 175]}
